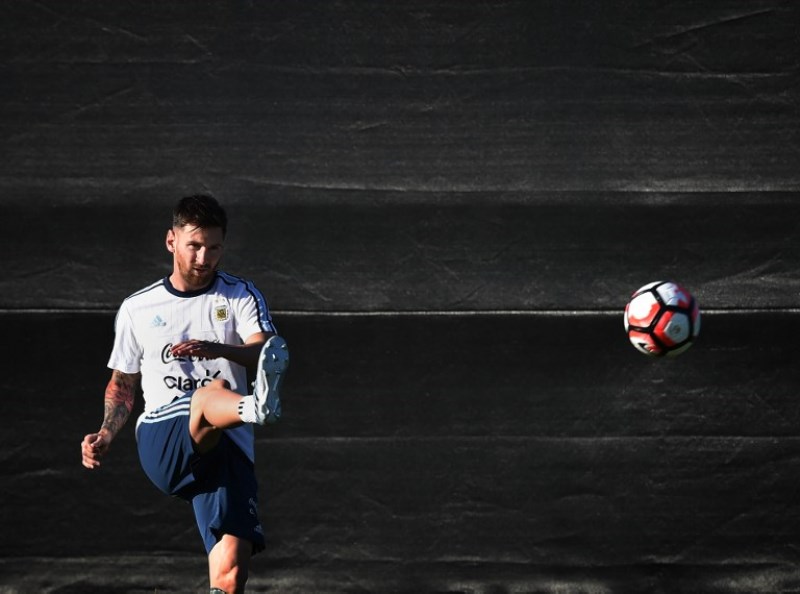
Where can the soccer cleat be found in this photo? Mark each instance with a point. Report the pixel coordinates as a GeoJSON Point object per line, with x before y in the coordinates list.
{"type": "Point", "coordinates": [272, 362]}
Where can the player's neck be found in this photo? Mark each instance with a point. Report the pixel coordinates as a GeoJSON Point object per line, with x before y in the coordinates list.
{"type": "Point", "coordinates": [184, 285]}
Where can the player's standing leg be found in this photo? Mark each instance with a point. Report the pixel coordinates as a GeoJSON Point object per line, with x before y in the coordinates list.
{"type": "Point", "coordinates": [227, 564]}
{"type": "Point", "coordinates": [216, 407]}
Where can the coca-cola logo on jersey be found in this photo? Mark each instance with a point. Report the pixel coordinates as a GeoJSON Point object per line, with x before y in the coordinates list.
{"type": "Point", "coordinates": [167, 357]}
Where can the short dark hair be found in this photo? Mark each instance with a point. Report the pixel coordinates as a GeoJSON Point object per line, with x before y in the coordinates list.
{"type": "Point", "coordinates": [200, 210]}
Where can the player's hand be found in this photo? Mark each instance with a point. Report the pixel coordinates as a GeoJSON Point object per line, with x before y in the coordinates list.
{"type": "Point", "coordinates": [198, 348]}
{"type": "Point", "coordinates": [93, 448]}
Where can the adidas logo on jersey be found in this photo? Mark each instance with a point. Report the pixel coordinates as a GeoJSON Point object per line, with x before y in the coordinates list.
{"type": "Point", "coordinates": [157, 322]}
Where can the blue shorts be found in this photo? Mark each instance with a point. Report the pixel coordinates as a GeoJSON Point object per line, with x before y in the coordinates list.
{"type": "Point", "coordinates": [221, 484]}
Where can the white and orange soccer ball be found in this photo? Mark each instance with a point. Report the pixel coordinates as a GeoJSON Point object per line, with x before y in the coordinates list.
{"type": "Point", "coordinates": [662, 319]}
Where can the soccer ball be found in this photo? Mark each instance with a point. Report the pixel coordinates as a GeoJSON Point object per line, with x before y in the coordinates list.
{"type": "Point", "coordinates": [662, 319]}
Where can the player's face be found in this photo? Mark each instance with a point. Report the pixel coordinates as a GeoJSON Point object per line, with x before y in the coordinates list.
{"type": "Point", "coordinates": [197, 253]}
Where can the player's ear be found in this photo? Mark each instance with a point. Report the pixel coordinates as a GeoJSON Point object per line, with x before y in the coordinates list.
{"type": "Point", "coordinates": [170, 241]}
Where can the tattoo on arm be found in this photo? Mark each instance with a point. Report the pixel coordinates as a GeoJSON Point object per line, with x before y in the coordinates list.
{"type": "Point", "coordinates": [120, 393]}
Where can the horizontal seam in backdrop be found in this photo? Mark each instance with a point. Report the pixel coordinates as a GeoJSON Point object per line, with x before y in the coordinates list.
{"type": "Point", "coordinates": [421, 313]}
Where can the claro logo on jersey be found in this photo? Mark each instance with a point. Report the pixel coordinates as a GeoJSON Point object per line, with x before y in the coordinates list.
{"type": "Point", "coordinates": [188, 383]}
{"type": "Point", "coordinates": [185, 383]}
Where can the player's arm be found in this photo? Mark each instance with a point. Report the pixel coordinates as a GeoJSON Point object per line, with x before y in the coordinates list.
{"type": "Point", "coordinates": [119, 398]}
{"type": "Point", "coordinates": [245, 354]}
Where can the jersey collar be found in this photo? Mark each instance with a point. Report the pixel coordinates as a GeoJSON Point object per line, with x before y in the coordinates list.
{"type": "Point", "coordinates": [173, 291]}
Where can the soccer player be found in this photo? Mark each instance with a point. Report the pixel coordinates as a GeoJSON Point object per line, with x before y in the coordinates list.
{"type": "Point", "coordinates": [188, 340]}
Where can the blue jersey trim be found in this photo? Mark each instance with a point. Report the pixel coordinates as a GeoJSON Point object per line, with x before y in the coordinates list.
{"type": "Point", "coordinates": [147, 289]}
{"type": "Point", "coordinates": [177, 408]}
{"type": "Point", "coordinates": [264, 319]}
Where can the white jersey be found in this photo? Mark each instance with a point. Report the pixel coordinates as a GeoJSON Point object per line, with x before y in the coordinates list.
{"type": "Point", "coordinates": [151, 320]}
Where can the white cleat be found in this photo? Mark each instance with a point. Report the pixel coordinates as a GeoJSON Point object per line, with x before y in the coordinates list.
{"type": "Point", "coordinates": [272, 362]}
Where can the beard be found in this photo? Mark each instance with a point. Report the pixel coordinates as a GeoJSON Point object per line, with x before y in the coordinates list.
{"type": "Point", "coordinates": [196, 277]}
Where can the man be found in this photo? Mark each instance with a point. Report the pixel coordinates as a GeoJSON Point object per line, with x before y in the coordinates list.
{"type": "Point", "coordinates": [189, 339]}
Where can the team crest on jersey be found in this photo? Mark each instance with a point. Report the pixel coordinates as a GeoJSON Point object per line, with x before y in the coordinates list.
{"type": "Point", "coordinates": [221, 313]}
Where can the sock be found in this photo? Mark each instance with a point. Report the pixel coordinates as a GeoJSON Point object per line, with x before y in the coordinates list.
{"type": "Point", "coordinates": [247, 409]}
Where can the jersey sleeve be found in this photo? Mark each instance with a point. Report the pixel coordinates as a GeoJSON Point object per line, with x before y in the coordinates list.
{"type": "Point", "coordinates": [126, 356]}
{"type": "Point", "coordinates": [253, 313]}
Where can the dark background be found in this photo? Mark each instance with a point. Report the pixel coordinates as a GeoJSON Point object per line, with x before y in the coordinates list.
{"type": "Point", "coordinates": [447, 205]}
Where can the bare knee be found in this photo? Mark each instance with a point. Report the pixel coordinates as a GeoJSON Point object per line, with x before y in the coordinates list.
{"type": "Point", "coordinates": [229, 579]}
{"type": "Point", "coordinates": [228, 562]}
{"type": "Point", "coordinates": [203, 393]}
{"type": "Point", "coordinates": [214, 385]}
